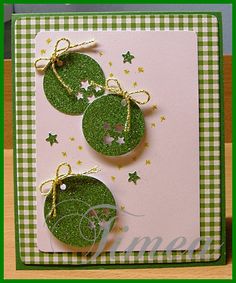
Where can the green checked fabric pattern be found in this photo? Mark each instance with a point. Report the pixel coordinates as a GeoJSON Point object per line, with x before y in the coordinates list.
{"type": "Point", "coordinates": [206, 26]}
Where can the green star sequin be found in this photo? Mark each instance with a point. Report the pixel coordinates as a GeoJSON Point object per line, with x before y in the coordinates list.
{"type": "Point", "coordinates": [51, 139]}
{"type": "Point", "coordinates": [128, 57]}
{"type": "Point", "coordinates": [133, 177]}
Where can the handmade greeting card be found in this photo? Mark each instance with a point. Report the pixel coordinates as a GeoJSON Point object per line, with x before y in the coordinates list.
{"type": "Point", "coordinates": [118, 140]}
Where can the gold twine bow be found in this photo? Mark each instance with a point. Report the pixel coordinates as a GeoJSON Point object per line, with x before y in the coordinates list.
{"type": "Point", "coordinates": [117, 89]}
{"type": "Point", "coordinates": [55, 59]}
{"type": "Point", "coordinates": [58, 181]}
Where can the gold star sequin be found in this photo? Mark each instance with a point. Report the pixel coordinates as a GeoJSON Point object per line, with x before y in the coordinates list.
{"type": "Point", "coordinates": [119, 166]}
{"type": "Point", "coordinates": [162, 118]}
{"type": "Point", "coordinates": [148, 162]}
{"type": "Point", "coordinates": [153, 125]}
{"type": "Point", "coordinates": [122, 207]}
{"type": "Point", "coordinates": [154, 107]}
{"type": "Point", "coordinates": [110, 63]}
{"type": "Point", "coordinates": [80, 147]}
{"type": "Point", "coordinates": [111, 75]}
{"type": "Point", "coordinates": [79, 162]}
{"type": "Point", "coordinates": [71, 138]}
{"type": "Point", "coordinates": [120, 229]}
{"type": "Point", "coordinates": [48, 40]}
{"type": "Point", "coordinates": [113, 178]}
{"type": "Point", "coordinates": [140, 69]}
{"type": "Point", "coordinates": [135, 84]}
{"type": "Point", "coordinates": [100, 53]}
{"type": "Point", "coordinates": [42, 51]}
{"type": "Point", "coordinates": [64, 154]}
{"type": "Point", "coordinates": [126, 71]}
{"type": "Point", "coordinates": [146, 144]}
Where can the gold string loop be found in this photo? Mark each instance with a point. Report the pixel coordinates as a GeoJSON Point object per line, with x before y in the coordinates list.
{"type": "Point", "coordinates": [114, 86]}
{"type": "Point", "coordinates": [58, 180]}
{"type": "Point", "coordinates": [41, 64]}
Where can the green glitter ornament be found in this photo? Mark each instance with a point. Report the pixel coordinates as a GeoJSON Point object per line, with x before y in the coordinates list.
{"type": "Point", "coordinates": [76, 70]}
{"type": "Point", "coordinates": [84, 208]}
{"type": "Point", "coordinates": [78, 221]}
{"type": "Point", "coordinates": [104, 125]}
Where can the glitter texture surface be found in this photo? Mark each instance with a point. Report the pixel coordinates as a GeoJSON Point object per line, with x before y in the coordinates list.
{"type": "Point", "coordinates": [103, 125]}
{"type": "Point", "coordinates": [76, 69]}
{"type": "Point", "coordinates": [78, 222]}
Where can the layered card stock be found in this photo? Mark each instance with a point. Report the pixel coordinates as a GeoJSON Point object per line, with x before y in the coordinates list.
{"type": "Point", "coordinates": [118, 140]}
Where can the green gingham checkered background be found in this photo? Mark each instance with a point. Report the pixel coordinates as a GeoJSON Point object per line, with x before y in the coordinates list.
{"type": "Point", "coordinates": [206, 27]}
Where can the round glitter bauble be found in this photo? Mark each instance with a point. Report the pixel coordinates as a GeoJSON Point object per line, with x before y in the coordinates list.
{"type": "Point", "coordinates": [84, 208]}
{"type": "Point", "coordinates": [77, 71]}
{"type": "Point", "coordinates": [104, 123]}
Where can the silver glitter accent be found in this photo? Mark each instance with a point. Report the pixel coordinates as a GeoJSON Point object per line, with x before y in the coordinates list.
{"type": "Point", "coordinates": [63, 187]}
{"type": "Point", "coordinates": [123, 102]}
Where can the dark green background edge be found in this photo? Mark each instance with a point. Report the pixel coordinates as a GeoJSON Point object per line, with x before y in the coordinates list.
{"type": "Point", "coordinates": [222, 260]}
{"type": "Point", "coordinates": [2, 144]}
